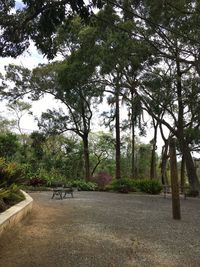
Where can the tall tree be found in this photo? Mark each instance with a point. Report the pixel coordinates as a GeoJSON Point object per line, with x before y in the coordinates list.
{"type": "Point", "coordinates": [37, 21]}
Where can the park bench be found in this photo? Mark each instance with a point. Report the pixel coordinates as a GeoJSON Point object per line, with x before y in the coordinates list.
{"type": "Point", "coordinates": [167, 189]}
{"type": "Point", "coordinates": [63, 191]}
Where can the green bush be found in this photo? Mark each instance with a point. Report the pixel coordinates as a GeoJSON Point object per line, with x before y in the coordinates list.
{"type": "Point", "coordinates": [10, 173]}
{"type": "Point", "coordinates": [51, 179]}
{"type": "Point", "coordinates": [83, 185]}
{"type": "Point", "coordinates": [130, 185]}
{"type": "Point", "coordinates": [193, 193]}
{"type": "Point", "coordinates": [149, 186]}
{"type": "Point", "coordinates": [123, 185]}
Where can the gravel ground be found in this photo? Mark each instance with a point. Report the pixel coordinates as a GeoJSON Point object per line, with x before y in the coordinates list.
{"type": "Point", "coordinates": [97, 229]}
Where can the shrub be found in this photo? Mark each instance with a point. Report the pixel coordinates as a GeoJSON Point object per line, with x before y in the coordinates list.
{"type": "Point", "coordinates": [149, 186]}
{"type": "Point", "coordinates": [11, 173]}
{"type": "Point", "coordinates": [37, 181]}
{"type": "Point", "coordinates": [83, 185]}
{"type": "Point", "coordinates": [130, 185]}
{"type": "Point", "coordinates": [123, 185]}
{"type": "Point", "coordinates": [10, 196]}
{"type": "Point", "coordinates": [193, 193]}
{"type": "Point", "coordinates": [102, 179]}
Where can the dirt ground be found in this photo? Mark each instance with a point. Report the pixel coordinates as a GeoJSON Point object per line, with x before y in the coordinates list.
{"type": "Point", "coordinates": [96, 229]}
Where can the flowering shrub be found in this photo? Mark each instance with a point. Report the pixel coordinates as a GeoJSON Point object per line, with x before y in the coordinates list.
{"type": "Point", "coordinates": [102, 179]}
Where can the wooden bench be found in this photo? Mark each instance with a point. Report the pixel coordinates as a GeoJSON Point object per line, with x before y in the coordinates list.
{"type": "Point", "coordinates": [167, 189]}
{"type": "Point", "coordinates": [59, 191]}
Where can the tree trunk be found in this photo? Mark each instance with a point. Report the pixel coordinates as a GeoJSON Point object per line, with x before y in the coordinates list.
{"type": "Point", "coordinates": [191, 171]}
{"type": "Point", "coordinates": [133, 153]}
{"type": "Point", "coordinates": [153, 153]}
{"type": "Point", "coordinates": [190, 167]}
{"type": "Point", "coordinates": [182, 182]}
{"type": "Point", "coordinates": [164, 177]}
{"type": "Point", "coordinates": [117, 130]}
{"type": "Point", "coordinates": [133, 137]}
{"type": "Point", "coordinates": [86, 157]}
{"type": "Point", "coordinates": [174, 181]}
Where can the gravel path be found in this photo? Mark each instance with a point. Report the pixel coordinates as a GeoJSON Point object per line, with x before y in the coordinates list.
{"type": "Point", "coordinates": [104, 230]}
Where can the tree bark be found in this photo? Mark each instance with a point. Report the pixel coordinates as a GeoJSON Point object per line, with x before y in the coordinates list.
{"type": "Point", "coordinates": [182, 180]}
{"type": "Point", "coordinates": [164, 156]}
{"type": "Point", "coordinates": [153, 152]}
{"type": "Point", "coordinates": [133, 137]}
{"type": "Point", "coordinates": [174, 181]}
{"type": "Point", "coordinates": [86, 157]}
{"type": "Point", "coordinates": [133, 153]}
{"type": "Point", "coordinates": [190, 167]}
{"type": "Point", "coordinates": [117, 130]}
{"type": "Point", "coordinates": [191, 171]}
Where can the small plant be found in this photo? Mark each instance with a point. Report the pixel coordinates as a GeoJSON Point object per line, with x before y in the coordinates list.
{"type": "Point", "coordinates": [102, 179]}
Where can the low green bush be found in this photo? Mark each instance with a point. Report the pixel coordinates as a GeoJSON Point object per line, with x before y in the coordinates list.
{"type": "Point", "coordinates": [83, 185]}
{"type": "Point", "coordinates": [123, 185]}
{"type": "Point", "coordinates": [193, 193]}
{"type": "Point", "coordinates": [130, 185]}
{"type": "Point", "coordinates": [149, 186]}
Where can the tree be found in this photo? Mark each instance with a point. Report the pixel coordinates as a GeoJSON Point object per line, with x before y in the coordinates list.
{"type": "Point", "coordinates": [9, 144]}
{"type": "Point", "coordinates": [19, 109]}
{"type": "Point", "coordinates": [79, 100]}
{"type": "Point", "coordinates": [6, 125]}
{"type": "Point", "coordinates": [38, 21]}
{"type": "Point", "coordinates": [101, 150]}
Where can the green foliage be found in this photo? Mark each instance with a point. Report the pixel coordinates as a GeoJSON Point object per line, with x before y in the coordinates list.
{"type": "Point", "coordinates": [130, 185]}
{"type": "Point", "coordinates": [10, 196]}
{"type": "Point", "coordinates": [149, 186]}
{"type": "Point", "coordinates": [83, 186]}
{"type": "Point", "coordinates": [11, 173]}
{"type": "Point", "coordinates": [123, 185]}
{"type": "Point", "coordinates": [193, 193]}
{"type": "Point", "coordinates": [8, 145]}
